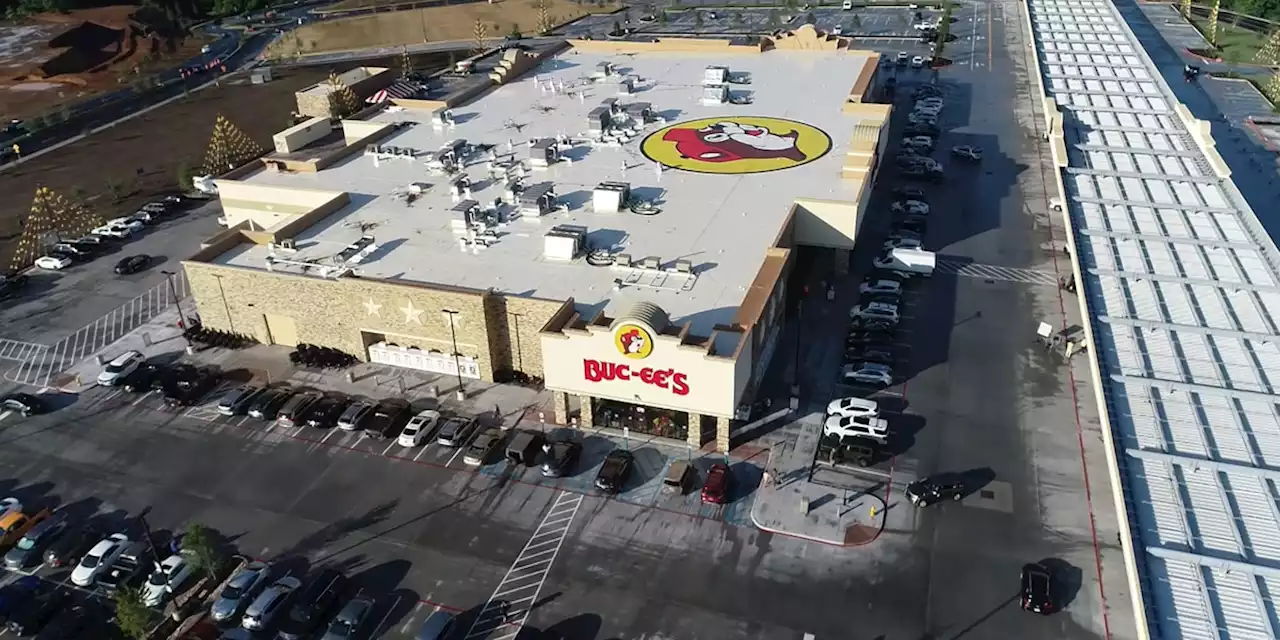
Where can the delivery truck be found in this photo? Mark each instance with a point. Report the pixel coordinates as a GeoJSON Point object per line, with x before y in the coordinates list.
{"type": "Point", "coordinates": [907, 262]}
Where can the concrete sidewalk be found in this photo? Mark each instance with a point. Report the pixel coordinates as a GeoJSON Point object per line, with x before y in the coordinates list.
{"type": "Point", "coordinates": [790, 504]}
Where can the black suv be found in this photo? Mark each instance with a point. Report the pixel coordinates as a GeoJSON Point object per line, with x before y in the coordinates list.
{"type": "Point", "coordinates": [24, 403]}
{"type": "Point", "coordinates": [1037, 589]}
{"type": "Point", "coordinates": [268, 403]}
{"type": "Point", "coordinates": [561, 456]}
{"type": "Point", "coordinates": [613, 473]}
{"type": "Point", "coordinates": [923, 493]}
{"type": "Point", "coordinates": [387, 419]}
{"type": "Point", "coordinates": [187, 391]}
{"type": "Point", "coordinates": [314, 605]}
{"type": "Point", "coordinates": [143, 378]}
{"type": "Point", "coordinates": [324, 413]}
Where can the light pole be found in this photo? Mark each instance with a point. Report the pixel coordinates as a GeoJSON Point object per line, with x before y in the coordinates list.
{"type": "Point", "coordinates": [223, 294]}
{"type": "Point", "coordinates": [457, 364]}
{"type": "Point", "coordinates": [173, 291]}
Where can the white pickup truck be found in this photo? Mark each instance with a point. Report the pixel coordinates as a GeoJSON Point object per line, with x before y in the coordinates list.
{"type": "Point", "coordinates": [908, 262]}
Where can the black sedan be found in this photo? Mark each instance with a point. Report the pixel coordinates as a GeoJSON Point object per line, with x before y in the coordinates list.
{"type": "Point", "coordinates": [561, 457]}
{"type": "Point", "coordinates": [324, 413]}
{"type": "Point", "coordinates": [25, 403]}
{"type": "Point", "coordinates": [268, 403]}
{"type": "Point", "coordinates": [133, 264]}
{"type": "Point", "coordinates": [1037, 589]}
{"type": "Point", "coordinates": [387, 419]}
{"type": "Point", "coordinates": [615, 470]}
{"type": "Point", "coordinates": [923, 493]}
{"type": "Point", "coordinates": [187, 391]}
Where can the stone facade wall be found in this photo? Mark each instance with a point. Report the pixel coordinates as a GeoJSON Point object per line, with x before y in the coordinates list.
{"type": "Point", "coordinates": [342, 313]}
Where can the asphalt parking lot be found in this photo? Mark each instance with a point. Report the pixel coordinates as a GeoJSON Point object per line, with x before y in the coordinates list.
{"type": "Point", "coordinates": [973, 394]}
{"type": "Point", "coordinates": [873, 22]}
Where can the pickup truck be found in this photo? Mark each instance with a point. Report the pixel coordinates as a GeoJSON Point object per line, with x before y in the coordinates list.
{"type": "Point", "coordinates": [132, 563]}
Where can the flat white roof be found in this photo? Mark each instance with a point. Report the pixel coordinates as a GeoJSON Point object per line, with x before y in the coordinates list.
{"type": "Point", "coordinates": [721, 223]}
{"type": "Point", "coordinates": [1183, 283]}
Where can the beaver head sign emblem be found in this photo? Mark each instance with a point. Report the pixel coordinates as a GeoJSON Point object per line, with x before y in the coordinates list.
{"type": "Point", "coordinates": [736, 145]}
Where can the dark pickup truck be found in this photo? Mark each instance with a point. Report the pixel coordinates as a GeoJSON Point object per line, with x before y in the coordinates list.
{"type": "Point", "coordinates": [387, 419]}
{"type": "Point", "coordinates": [131, 565]}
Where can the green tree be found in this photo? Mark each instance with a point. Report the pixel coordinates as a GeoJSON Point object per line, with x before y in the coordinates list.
{"type": "Point", "coordinates": [185, 175]}
{"type": "Point", "coordinates": [515, 31]}
{"type": "Point", "coordinates": [206, 555]}
{"type": "Point", "coordinates": [1184, 7]}
{"type": "Point", "coordinates": [856, 21]}
{"type": "Point", "coordinates": [114, 189]}
{"type": "Point", "coordinates": [134, 617]}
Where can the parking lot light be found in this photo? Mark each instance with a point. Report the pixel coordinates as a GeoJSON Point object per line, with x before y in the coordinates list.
{"type": "Point", "coordinates": [173, 291]}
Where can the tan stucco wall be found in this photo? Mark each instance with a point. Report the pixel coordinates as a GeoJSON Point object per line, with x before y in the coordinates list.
{"type": "Point", "coordinates": [268, 207]}
{"type": "Point", "coordinates": [333, 313]}
{"type": "Point", "coordinates": [713, 381]}
{"type": "Point", "coordinates": [826, 223]}
{"type": "Point", "coordinates": [316, 99]}
{"type": "Point", "coordinates": [301, 135]}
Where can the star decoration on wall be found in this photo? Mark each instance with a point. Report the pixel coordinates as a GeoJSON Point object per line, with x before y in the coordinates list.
{"type": "Point", "coordinates": [411, 313]}
{"type": "Point", "coordinates": [373, 308]}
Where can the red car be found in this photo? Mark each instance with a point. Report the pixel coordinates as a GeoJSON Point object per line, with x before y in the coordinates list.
{"type": "Point", "coordinates": [716, 488]}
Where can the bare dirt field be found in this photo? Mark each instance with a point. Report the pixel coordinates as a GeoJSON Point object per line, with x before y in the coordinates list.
{"type": "Point", "coordinates": [139, 159]}
{"type": "Point", "coordinates": [434, 24]}
{"type": "Point", "coordinates": [53, 59]}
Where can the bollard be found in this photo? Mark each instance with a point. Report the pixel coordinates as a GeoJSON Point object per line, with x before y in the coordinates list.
{"type": "Point", "coordinates": [804, 505]}
{"type": "Point", "coordinates": [873, 512]}
{"type": "Point", "coordinates": [351, 377]}
{"type": "Point", "coordinates": [146, 339]}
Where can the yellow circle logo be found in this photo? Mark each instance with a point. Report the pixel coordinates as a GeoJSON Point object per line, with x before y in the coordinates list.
{"type": "Point", "coordinates": [633, 341]}
{"type": "Point", "coordinates": [736, 145]}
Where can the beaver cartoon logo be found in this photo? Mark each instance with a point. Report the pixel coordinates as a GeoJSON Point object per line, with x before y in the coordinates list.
{"type": "Point", "coordinates": [633, 341]}
{"type": "Point", "coordinates": [736, 145]}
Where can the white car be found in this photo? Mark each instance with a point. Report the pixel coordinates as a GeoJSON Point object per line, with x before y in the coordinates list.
{"type": "Point", "coordinates": [902, 57]}
{"type": "Point", "coordinates": [53, 262]}
{"type": "Point", "coordinates": [867, 373]}
{"type": "Point", "coordinates": [902, 242]}
{"type": "Point", "coordinates": [166, 579]}
{"type": "Point", "coordinates": [121, 366]}
{"type": "Point", "coordinates": [99, 559]}
{"type": "Point", "coordinates": [910, 207]}
{"type": "Point", "coordinates": [966, 152]}
{"type": "Point", "coordinates": [918, 141]}
{"type": "Point", "coordinates": [419, 427]}
{"type": "Point", "coordinates": [927, 109]}
{"type": "Point", "coordinates": [837, 30]}
{"type": "Point", "coordinates": [922, 118]}
{"type": "Point", "coordinates": [856, 427]}
{"type": "Point", "coordinates": [880, 286]}
{"type": "Point", "coordinates": [917, 62]}
{"type": "Point", "coordinates": [853, 407]}
{"type": "Point", "coordinates": [882, 311]}
{"type": "Point", "coordinates": [8, 506]}
{"type": "Point", "coordinates": [924, 26]}
{"type": "Point", "coordinates": [113, 231]}
{"type": "Point", "coordinates": [144, 216]}
{"type": "Point", "coordinates": [132, 222]}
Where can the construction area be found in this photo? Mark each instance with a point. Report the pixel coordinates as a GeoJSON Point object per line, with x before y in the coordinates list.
{"type": "Point", "coordinates": [53, 59]}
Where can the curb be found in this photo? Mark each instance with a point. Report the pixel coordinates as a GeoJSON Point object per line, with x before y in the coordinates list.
{"type": "Point", "coordinates": [800, 536]}
{"type": "Point", "coordinates": [1202, 58]}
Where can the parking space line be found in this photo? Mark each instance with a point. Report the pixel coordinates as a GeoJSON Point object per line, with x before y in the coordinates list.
{"type": "Point", "coordinates": [393, 443]}
{"type": "Point", "coordinates": [424, 450]}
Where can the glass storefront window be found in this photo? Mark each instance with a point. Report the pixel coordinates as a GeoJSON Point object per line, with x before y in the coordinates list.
{"type": "Point", "coordinates": [652, 421]}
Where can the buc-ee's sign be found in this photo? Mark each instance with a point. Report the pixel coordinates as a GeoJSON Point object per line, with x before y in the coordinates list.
{"type": "Point", "coordinates": [634, 342]}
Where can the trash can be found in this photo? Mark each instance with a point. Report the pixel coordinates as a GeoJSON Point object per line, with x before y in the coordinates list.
{"type": "Point", "coordinates": [524, 447]}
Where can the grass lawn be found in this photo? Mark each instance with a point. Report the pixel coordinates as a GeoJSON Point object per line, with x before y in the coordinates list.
{"type": "Point", "coordinates": [1236, 44]}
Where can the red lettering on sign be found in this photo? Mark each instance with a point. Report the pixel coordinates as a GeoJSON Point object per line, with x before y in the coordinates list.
{"type": "Point", "coordinates": [597, 371]}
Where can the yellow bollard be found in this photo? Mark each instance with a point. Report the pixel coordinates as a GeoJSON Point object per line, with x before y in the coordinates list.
{"type": "Point", "coordinates": [873, 512]}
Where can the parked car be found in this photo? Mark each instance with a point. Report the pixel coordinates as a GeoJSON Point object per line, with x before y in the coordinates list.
{"type": "Point", "coordinates": [715, 489]}
{"type": "Point", "coordinates": [909, 192]}
{"type": "Point", "coordinates": [456, 431]}
{"type": "Point", "coordinates": [239, 591]}
{"type": "Point", "coordinates": [36, 613]}
{"type": "Point", "coordinates": [1037, 589]}
{"type": "Point", "coordinates": [143, 378]}
{"type": "Point", "coordinates": [882, 354]}
{"type": "Point", "coordinates": [875, 311]}
{"type": "Point", "coordinates": [187, 391]}
{"type": "Point", "coordinates": [238, 399]}
{"type": "Point", "coordinates": [560, 458]}
{"type": "Point", "coordinates": [99, 559]}
{"type": "Point", "coordinates": [967, 153]}
{"type": "Point", "coordinates": [929, 174]}
{"type": "Point", "coordinates": [16, 524]}
{"type": "Point", "coordinates": [272, 599]}
{"type": "Point", "coordinates": [11, 286]}
{"type": "Point", "coordinates": [128, 569]}
{"type": "Point", "coordinates": [911, 207]}
{"type": "Point", "coordinates": [25, 404]}
{"type": "Point", "coordinates": [72, 544]}
{"type": "Point", "coordinates": [133, 264]}
{"type": "Point", "coordinates": [167, 578]}
{"type": "Point", "coordinates": [927, 491]}
{"type": "Point", "coordinates": [387, 419]}
{"type": "Point", "coordinates": [354, 415]}
{"type": "Point", "coordinates": [853, 407]}
{"type": "Point", "coordinates": [350, 620]}
{"type": "Point", "coordinates": [613, 473]}
{"type": "Point", "coordinates": [482, 447]}
{"type": "Point", "coordinates": [30, 548]}
{"type": "Point", "coordinates": [922, 129]}
{"type": "Point", "coordinates": [117, 231]}
{"type": "Point", "coordinates": [862, 426]}
{"type": "Point", "coordinates": [867, 373]}
{"type": "Point", "coordinates": [438, 626]}
{"type": "Point", "coordinates": [902, 58]}
{"type": "Point", "coordinates": [901, 243]}
{"type": "Point", "coordinates": [880, 285]}
{"type": "Point", "coordinates": [119, 367]}
{"type": "Point", "coordinates": [419, 428]}
{"type": "Point", "coordinates": [17, 594]}
{"type": "Point", "coordinates": [313, 605]}
{"type": "Point", "coordinates": [54, 261]}
{"type": "Point", "coordinates": [324, 413]}
{"type": "Point", "coordinates": [291, 411]}
{"type": "Point", "coordinates": [267, 403]}
{"type": "Point", "coordinates": [74, 622]}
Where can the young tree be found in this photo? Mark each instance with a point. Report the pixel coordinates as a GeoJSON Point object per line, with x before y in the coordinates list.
{"type": "Point", "coordinates": [617, 29]}
{"type": "Point", "coordinates": [185, 175]}
{"type": "Point", "coordinates": [543, 16]}
{"type": "Point", "coordinates": [1184, 7]}
{"type": "Point", "coordinates": [200, 543]}
{"type": "Point", "coordinates": [342, 100]}
{"type": "Point", "coordinates": [479, 32]}
{"type": "Point", "coordinates": [856, 21]}
{"type": "Point", "coordinates": [1269, 54]}
{"type": "Point", "coordinates": [229, 148]}
{"type": "Point", "coordinates": [515, 31]}
{"type": "Point", "coordinates": [134, 617]}
{"type": "Point", "coordinates": [1212, 27]}
{"type": "Point", "coordinates": [406, 63]}
{"type": "Point", "coordinates": [51, 217]}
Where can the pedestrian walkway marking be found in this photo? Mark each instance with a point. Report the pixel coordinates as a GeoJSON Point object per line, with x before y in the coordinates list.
{"type": "Point", "coordinates": [517, 593]}
{"type": "Point", "coordinates": [996, 272]}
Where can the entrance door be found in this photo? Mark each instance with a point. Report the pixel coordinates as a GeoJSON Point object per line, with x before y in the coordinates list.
{"type": "Point", "coordinates": [283, 330]}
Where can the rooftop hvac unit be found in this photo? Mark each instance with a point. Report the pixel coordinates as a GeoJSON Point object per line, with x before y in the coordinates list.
{"type": "Point", "coordinates": [564, 242]}
{"type": "Point", "coordinates": [715, 75]}
{"type": "Point", "coordinates": [537, 200]}
{"type": "Point", "coordinates": [356, 251]}
{"type": "Point", "coordinates": [713, 96]}
{"type": "Point", "coordinates": [609, 197]}
{"type": "Point", "coordinates": [598, 120]}
{"type": "Point", "coordinates": [467, 211]}
{"type": "Point", "coordinates": [605, 69]}
{"type": "Point", "coordinates": [543, 153]}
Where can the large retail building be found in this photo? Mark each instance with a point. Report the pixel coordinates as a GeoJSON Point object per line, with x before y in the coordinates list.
{"type": "Point", "coordinates": [616, 218]}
